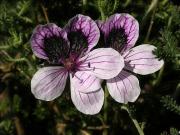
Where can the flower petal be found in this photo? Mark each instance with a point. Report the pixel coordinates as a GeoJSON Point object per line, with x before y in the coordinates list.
{"type": "Point", "coordinates": [87, 103]}
{"type": "Point", "coordinates": [83, 33]}
{"type": "Point", "coordinates": [43, 32]}
{"type": "Point", "coordinates": [141, 60]}
{"type": "Point", "coordinates": [124, 88]}
{"type": "Point", "coordinates": [85, 82]}
{"type": "Point", "coordinates": [101, 25]}
{"type": "Point", "coordinates": [104, 63]}
{"type": "Point", "coordinates": [49, 82]}
{"type": "Point", "coordinates": [121, 31]}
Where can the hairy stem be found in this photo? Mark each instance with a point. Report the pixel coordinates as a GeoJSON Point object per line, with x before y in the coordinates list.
{"type": "Point", "coordinates": [5, 47]}
{"type": "Point", "coordinates": [136, 124]}
{"type": "Point", "coordinates": [101, 9]}
{"type": "Point", "coordinates": [126, 3]}
{"type": "Point", "coordinates": [159, 77]}
{"type": "Point", "coordinates": [45, 13]}
{"type": "Point", "coordinates": [60, 127]}
{"type": "Point", "coordinates": [84, 3]}
{"type": "Point", "coordinates": [151, 10]}
{"type": "Point", "coordinates": [105, 131]}
{"type": "Point", "coordinates": [115, 5]}
{"type": "Point", "coordinates": [18, 125]}
{"type": "Point", "coordinates": [151, 24]}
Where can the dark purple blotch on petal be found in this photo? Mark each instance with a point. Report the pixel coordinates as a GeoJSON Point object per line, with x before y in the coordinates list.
{"type": "Point", "coordinates": [56, 48]}
{"type": "Point", "coordinates": [50, 42]}
{"type": "Point", "coordinates": [116, 39]}
{"type": "Point", "coordinates": [120, 31]}
{"type": "Point", "coordinates": [83, 34]}
{"type": "Point", "coordinates": [78, 43]}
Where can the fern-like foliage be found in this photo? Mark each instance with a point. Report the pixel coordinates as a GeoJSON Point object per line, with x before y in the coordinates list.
{"type": "Point", "coordinates": [170, 104]}
{"type": "Point", "coordinates": [167, 45]}
{"type": "Point", "coordinates": [172, 131]}
{"type": "Point", "coordinates": [107, 7]}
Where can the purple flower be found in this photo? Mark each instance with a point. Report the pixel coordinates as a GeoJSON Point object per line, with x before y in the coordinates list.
{"type": "Point", "coordinates": [121, 32]}
{"type": "Point", "coordinates": [68, 52]}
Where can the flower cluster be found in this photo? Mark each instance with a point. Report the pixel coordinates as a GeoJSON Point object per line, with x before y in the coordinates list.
{"type": "Point", "coordinates": [69, 51]}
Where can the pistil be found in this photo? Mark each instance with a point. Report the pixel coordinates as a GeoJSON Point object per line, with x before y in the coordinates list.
{"type": "Point", "coordinates": [69, 64]}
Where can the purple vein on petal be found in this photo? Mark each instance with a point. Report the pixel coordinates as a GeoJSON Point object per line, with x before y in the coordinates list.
{"type": "Point", "coordinates": [54, 78]}
{"type": "Point", "coordinates": [46, 76]}
{"type": "Point", "coordinates": [125, 76]}
{"type": "Point", "coordinates": [89, 99]}
{"type": "Point", "coordinates": [117, 86]}
{"type": "Point", "coordinates": [90, 84]}
{"type": "Point", "coordinates": [101, 62]}
{"type": "Point", "coordinates": [57, 84]}
{"type": "Point", "coordinates": [96, 57]}
{"type": "Point", "coordinates": [127, 56]}
{"type": "Point", "coordinates": [94, 68]}
{"type": "Point", "coordinates": [141, 59]}
{"type": "Point", "coordinates": [123, 83]}
{"type": "Point", "coordinates": [80, 97]}
{"type": "Point", "coordinates": [124, 88]}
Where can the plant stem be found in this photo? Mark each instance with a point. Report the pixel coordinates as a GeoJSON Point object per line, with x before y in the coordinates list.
{"type": "Point", "coordinates": [45, 13]}
{"type": "Point", "coordinates": [114, 6]}
{"type": "Point", "coordinates": [126, 3]}
{"type": "Point", "coordinates": [18, 125]}
{"type": "Point", "coordinates": [98, 127]}
{"type": "Point", "coordinates": [105, 131]}
{"type": "Point", "coordinates": [154, 3]}
{"type": "Point", "coordinates": [158, 80]}
{"type": "Point", "coordinates": [84, 3]}
{"type": "Point", "coordinates": [5, 47]}
{"type": "Point", "coordinates": [150, 27]}
{"type": "Point", "coordinates": [136, 124]}
{"type": "Point", "coordinates": [100, 7]}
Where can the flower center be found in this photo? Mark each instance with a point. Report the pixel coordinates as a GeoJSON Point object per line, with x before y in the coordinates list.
{"type": "Point", "coordinates": [69, 64]}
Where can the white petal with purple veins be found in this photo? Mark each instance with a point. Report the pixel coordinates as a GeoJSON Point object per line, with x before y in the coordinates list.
{"type": "Point", "coordinates": [142, 60]}
{"type": "Point", "coordinates": [85, 82]}
{"type": "Point", "coordinates": [48, 83]}
{"type": "Point", "coordinates": [87, 27]}
{"type": "Point", "coordinates": [124, 88]}
{"type": "Point", "coordinates": [104, 63]}
{"type": "Point", "coordinates": [40, 33]}
{"type": "Point", "coordinates": [87, 103]}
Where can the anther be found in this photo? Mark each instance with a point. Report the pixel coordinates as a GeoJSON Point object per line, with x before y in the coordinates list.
{"type": "Point", "coordinates": [89, 64]}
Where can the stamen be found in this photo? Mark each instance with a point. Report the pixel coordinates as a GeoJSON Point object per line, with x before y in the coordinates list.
{"type": "Point", "coordinates": [69, 64]}
{"type": "Point", "coordinates": [89, 64]}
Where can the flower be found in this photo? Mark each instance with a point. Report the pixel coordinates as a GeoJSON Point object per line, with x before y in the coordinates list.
{"type": "Point", "coordinates": [68, 51]}
{"type": "Point", "coordinates": [121, 31]}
